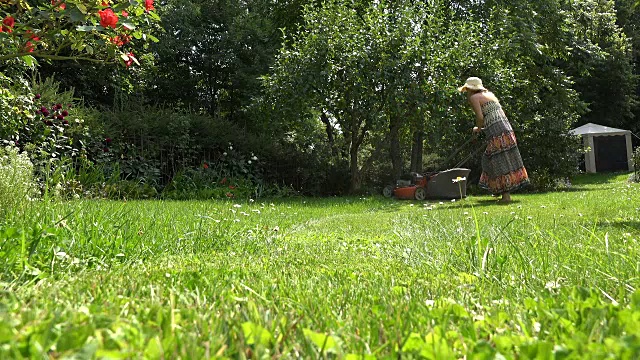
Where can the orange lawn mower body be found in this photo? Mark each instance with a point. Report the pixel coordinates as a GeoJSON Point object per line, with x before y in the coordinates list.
{"type": "Point", "coordinates": [448, 184]}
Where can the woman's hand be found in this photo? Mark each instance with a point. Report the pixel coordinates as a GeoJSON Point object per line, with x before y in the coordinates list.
{"type": "Point", "coordinates": [477, 129]}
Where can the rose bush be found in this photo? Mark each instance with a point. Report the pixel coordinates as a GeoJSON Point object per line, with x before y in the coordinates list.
{"type": "Point", "coordinates": [74, 29]}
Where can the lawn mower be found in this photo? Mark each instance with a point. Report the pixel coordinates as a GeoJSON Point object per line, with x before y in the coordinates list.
{"type": "Point", "coordinates": [447, 184]}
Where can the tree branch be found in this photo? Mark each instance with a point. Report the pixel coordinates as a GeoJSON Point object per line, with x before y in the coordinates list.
{"type": "Point", "coordinates": [49, 56]}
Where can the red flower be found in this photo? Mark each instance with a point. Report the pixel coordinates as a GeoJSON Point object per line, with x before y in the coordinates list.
{"type": "Point", "coordinates": [229, 194]}
{"type": "Point", "coordinates": [108, 18]}
{"type": "Point", "coordinates": [125, 14]}
{"type": "Point", "coordinates": [130, 60]}
{"type": "Point", "coordinates": [105, 3]}
{"type": "Point", "coordinates": [205, 165]}
{"type": "Point", "coordinates": [28, 47]}
{"type": "Point", "coordinates": [65, 113]}
{"type": "Point", "coordinates": [231, 187]}
{"type": "Point", "coordinates": [148, 4]}
{"type": "Point", "coordinates": [61, 7]}
{"type": "Point", "coordinates": [116, 40]}
{"type": "Point", "coordinates": [107, 140]}
{"type": "Point", "coordinates": [223, 181]}
{"type": "Point", "coordinates": [31, 35]}
{"type": "Point", "coordinates": [7, 24]}
{"type": "Point", "coordinates": [65, 122]}
{"type": "Point", "coordinates": [38, 96]}
{"type": "Point", "coordinates": [120, 40]}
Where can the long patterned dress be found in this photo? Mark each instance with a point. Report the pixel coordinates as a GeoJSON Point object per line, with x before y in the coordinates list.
{"type": "Point", "coordinates": [502, 167]}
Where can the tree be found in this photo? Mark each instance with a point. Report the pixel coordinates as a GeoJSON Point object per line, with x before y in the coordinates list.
{"type": "Point", "coordinates": [374, 69]}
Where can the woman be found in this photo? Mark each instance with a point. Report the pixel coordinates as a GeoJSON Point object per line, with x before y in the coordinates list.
{"type": "Point", "coordinates": [502, 167]}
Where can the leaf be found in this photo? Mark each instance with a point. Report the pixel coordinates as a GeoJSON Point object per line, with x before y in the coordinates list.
{"type": "Point", "coordinates": [82, 8]}
{"type": "Point", "coordinates": [414, 344]}
{"type": "Point", "coordinates": [256, 334]}
{"type": "Point", "coordinates": [129, 26]}
{"type": "Point", "coordinates": [324, 342]}
{"type": "Point", "coordinates": [86, 28]}
{"type": "Point", "coordinates": [153, 350]}
{"type": "Point", "coordinates": [29, 60]}
{"type": "Point", "coordinates": [152, 38]}
{"type": "Point", "coordinates": [76, 15]}
{"type": "Point", "coordinates": [6, 332]}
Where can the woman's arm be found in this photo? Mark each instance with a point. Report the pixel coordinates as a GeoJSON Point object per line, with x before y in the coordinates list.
{"type": "Point", "coordinates": [475, 105]}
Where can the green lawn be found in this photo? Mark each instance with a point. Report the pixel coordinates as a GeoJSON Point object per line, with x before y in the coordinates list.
{"type": "Point", "coordinates": [551, 275]}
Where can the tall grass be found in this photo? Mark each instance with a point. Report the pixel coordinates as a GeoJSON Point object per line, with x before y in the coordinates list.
{"type": "Point", "coordinates": [17, 182]}
{"type": "Point", "coordinates": [551, 275]}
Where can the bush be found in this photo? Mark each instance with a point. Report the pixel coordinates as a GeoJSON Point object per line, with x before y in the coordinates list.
{"type": "Point", "coordinates": [17, 182]}
{"type": "Point", "coordinates": [636, 165]}
{"type": "Point", "coordinates": [46, 123]}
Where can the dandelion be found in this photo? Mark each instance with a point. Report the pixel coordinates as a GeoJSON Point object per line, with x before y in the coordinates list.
{"type": "Point", "coordinates": [254, 158]}
{"type": "Point", "coordinates": [237, 205]}
{"type": "Point", "coordinates": [251, 200]}
{"type": "Point", "coordinates": [249, 162]}
{"type": "Point", "coordinates": [277, 228]}
{"type": "Point", "coordinates": [256, 211]}
{"type": "Point", "coordinates": [453, 200]}
{"type": "Point", "coordinates": [224, 153]}
{"type": "Point", "coordinates": [458, 179]}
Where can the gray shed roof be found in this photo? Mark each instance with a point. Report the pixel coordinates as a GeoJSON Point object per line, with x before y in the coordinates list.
{"type": "Point", "coordinates": [597, 130]}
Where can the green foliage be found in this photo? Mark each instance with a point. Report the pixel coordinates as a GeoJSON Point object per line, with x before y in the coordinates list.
{"type": "Point", "coordinates": [47, 123]}
{"type": "Point", "coordinates": [17, 182]}
{"type": "Point", "coordinates": [74, 29]}
{"type": "Point", "coordinates": [636, 165]}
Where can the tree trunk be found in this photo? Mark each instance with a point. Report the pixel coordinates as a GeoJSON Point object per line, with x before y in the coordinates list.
{"type": "Point", "coordinates": [329, 129]}
{"type": "Point", "coordinates": [356, 180]}
{"type": "Point", "coordinates": [394, 148]}
{"type": "Point", "coordinates": [416, 151]}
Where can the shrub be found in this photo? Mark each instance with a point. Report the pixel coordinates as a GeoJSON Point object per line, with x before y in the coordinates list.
{"type": "Point", "coordinates": [17, 183]}
{"type": "Point", "coordinates": [46, 123]}
{"type": "Point", "coordinates": [636, 165]}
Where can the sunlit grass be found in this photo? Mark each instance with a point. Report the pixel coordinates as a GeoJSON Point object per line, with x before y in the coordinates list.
{"type": "Point", "coordinates": [551, 273]}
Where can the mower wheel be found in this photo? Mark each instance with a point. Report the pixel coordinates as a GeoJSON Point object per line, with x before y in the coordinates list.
{"type": "Point", "coordinates": [388, 191]}
{"type": "Point", "coordinates": [421, 193]}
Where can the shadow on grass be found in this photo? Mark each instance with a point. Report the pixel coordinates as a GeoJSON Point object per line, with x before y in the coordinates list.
{"type": "Point", "coordinates": [622, 225]}
{"type": "Point", "coordinates": [599, 178]}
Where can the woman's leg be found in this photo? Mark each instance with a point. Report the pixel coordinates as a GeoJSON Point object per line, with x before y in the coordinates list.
{"type": "Point", "coordinates": [506, 197]}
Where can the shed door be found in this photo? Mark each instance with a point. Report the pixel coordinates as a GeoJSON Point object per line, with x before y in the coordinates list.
{"type": "Point", "coordinates": [610, 153]}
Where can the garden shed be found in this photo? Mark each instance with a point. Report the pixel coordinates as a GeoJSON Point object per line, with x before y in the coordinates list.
{"type": "Point", "coordinates": [609, 149]}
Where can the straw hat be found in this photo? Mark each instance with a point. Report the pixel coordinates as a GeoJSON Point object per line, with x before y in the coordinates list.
{"type": "Point", "coordinates": [473, 83]}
